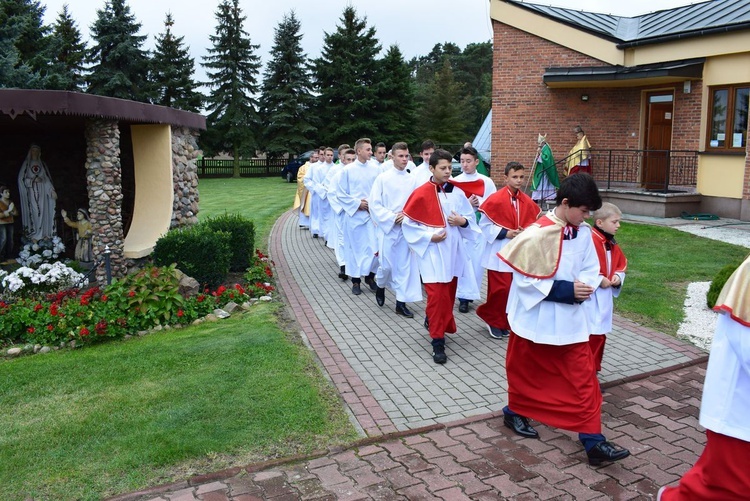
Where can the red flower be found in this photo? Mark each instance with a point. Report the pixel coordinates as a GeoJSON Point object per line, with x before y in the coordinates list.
{"type": "Point", "coordinates": [180, 313]}
{"type": "Point", "coordinates": [201, 298]}
{"type": "Point", "coordinates": [239, 288]}
{"type": "Point", "coordinates": [220, 290]}
{"type": "Point", "coordinates": [84, 331]}
{"type": "Point", "coordinates": [104, 298]}
{"type": "Point", "coordinates": [101, 327]}
{"type": "Point", "coordinates": [131, 293]}
{"type": "Point", "coordinates": [231, 295]}
{"type": "Point", "coordinates": [30, 330]}
{"type": "Point", "coordinates": [53, 309]}
{"type": "Point", "coordinates": [38, 307]}
{"type": "Point", "coordinates": [268, 271]}
{"type": "Point", "coordinates": [50, 327]}
{"type": "Point", "coordinates": [84, 301]}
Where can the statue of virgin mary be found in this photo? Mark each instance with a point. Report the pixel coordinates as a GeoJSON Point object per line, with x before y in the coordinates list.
{"type": "Point", "coordinates": [37, 197]}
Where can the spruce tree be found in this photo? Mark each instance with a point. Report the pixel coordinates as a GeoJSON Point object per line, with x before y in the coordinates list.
{"type": "Point", "coordinates": [232, 68]}
{"type": "Point", "coordinates": [346, 77]}
{"type": "Point", "coordinates": [173, 70]}
{"type": "Point", "coordinates": [68, 53]}
{"type": "Point", "coordinates": [286, 96]}
{"type": "Point", "coordinates": [23, 44]}
{"type": "Point", "coordinates": [443, 108]}
{"type": "Point", "coordinates": [119, 64]}
{"type": "Point", "coordinates": [395, 107]}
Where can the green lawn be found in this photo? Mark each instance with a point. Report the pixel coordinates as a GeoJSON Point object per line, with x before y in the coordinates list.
{"type": "Point", "coordinates": [126, 415]}
{"type": "Point", "coordinates": [261, 199]}
{"type": "Point", "coordinates": [661, 263]}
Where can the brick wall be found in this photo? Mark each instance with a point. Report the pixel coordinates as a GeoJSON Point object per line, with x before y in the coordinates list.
{"type": "Point", "coordinates": [522, 106]}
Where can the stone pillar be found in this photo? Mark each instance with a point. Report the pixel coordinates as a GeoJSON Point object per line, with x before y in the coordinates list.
{"type": "Point", "coordinates": [104, 180]}
{"type": "Point", "coordinates": [185, 175]}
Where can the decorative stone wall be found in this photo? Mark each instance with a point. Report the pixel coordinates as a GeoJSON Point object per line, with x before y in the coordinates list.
{"type": "Point", "coordinates": [185, 175]}
{"type": "Point", "coordinates": [104, 180]}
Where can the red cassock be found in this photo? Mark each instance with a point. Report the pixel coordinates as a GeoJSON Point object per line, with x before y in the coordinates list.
{"type": "Point", "coordinates": [720, 474]}
{"type": "Point", "coordinates": [554, 384]}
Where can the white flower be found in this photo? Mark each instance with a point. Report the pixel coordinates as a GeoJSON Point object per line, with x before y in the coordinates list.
{"type": "Point", "coordinates": [35, 247]}
{"type": "Point", "coordinates": [47, 253]}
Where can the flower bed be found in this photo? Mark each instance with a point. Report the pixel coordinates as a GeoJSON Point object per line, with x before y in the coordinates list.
{"type": "Point", "coordinates": [139, 302]}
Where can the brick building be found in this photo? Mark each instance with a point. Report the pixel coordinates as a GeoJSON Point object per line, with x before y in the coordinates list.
{"type": "Point", "coordinates": [663, 98]}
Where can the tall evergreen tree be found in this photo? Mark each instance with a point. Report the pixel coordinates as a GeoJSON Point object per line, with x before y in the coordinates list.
{"type": "Point", "coordinates": [119, 64]}
{"type": "Point", "coordinates": [395, 107]}
{"type": "Point", "coordinates": [287, 99]}
{"type": "Point", "coordinates": [23, 43]}
{"type": "Point", "coordinates": [232, 68]}
{"type": "Point", "coordinates": [346, 77]}
{"type": "Point", "coordinates": [173, 70]}
{"type": "Point", "coordinates": [68, 53]}
{"type": "Point", "coordinates": [443, 108]}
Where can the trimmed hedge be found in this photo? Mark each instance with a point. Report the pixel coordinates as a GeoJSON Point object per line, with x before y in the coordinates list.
{"type": "Point", "coordinates": [718, 283]}
{"type": "Point", "coordinates": [242, 243]}
{"type": "Point", "coordinates": [199, 251]}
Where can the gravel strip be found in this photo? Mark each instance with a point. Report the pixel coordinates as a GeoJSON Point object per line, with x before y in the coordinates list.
{"type": "Point", "coordinates": [728, 235]}
{"type": "Point", "coordinates": [700, 322]}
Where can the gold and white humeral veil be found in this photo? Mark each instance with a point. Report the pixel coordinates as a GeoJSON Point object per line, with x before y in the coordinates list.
{"type": "Point", "coordinates": [535, 252]}
{"type": "Point", "coordinates": [735, 296]}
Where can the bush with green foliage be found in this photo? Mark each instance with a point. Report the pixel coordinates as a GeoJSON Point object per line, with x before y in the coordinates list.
{"type": "Point", "coordinates": [199, 251]}
{"type": "Point", "coordinates": [718, 283]}
{"type": "Point", "coordinates": [137, 302]}
{"type": "Point", "coordinates": [242, 242]}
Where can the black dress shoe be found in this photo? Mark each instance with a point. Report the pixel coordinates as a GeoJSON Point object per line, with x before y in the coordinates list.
{"type": "Point", "coordinates": [463, 306]}
{"type": "Point", "coordinates": [315, 235]}
{"type": "Point", "coordinates": [426, 323]}
{"type": "Point", "coordinates": [401, 309]}
{"type": "Point", "coordinates": [605, 452]}
{"type": "Point", "coordinates": [342, 273]}
{"type": "Point", "coordinates": [380, 296]}
{"type": "Point", "coordinates": [520, 425]}
{"type": "Point", "coordinates": [356, 289]}
{"type": "Point", "coordinates": [438, 351]}
{"type": "Point", "coordinates": [371, 283]}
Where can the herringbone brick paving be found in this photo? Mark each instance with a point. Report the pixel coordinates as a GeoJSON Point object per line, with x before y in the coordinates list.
{"type": "Point", "coordinates": [453, 446]}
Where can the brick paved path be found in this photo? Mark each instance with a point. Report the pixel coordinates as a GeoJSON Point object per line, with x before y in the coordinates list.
{"type": "Point", "coordinates": [655, 417]}
{"type": "Point", "coordinates": [435, 432]}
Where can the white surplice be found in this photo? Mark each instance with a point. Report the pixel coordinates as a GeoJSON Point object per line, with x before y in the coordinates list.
{"type": "Point", "coordinates": [397, 264]}
{"type": "Point", "coordinates": [440, 262]}
{"type": "Point", "coordinates": [313, 181]}
{"type": "Point", "coordinates": [470, 289]}
{"type": "Point", "coordinates": [360, 244]}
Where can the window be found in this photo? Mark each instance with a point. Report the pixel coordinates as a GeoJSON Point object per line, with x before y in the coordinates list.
{"type": "Point", "coordinates": [727, 128]}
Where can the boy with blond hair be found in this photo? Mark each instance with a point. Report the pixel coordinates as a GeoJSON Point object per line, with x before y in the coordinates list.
{"type": "Point", "coordinates": [612, 266]}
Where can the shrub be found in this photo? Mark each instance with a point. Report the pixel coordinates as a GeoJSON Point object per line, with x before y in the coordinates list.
{"type": "Point", "coordinates": [242, 243]}
{"type": "Point", "coordinates": [198, 251]}
{"type": "Point", "coordinates": [718, 283]}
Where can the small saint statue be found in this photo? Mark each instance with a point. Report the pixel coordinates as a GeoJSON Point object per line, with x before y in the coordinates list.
{"type": "Point", "coordinates": [83, 252]}
{"type": "Point", "coordinates": [8, 211]}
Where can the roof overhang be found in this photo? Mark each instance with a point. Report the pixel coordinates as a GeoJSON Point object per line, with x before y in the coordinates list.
{"type": "Point", "coordinates": [16, 102]}
{"type": "Point", "coordinates": [624, 76]}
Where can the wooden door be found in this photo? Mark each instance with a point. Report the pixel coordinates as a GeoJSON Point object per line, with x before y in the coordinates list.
{"type": "Point", "coordinates": [658, 141]}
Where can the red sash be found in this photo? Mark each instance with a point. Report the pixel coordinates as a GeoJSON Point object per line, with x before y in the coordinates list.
{"type": "Point", "coordinates": [423, 206]}
{"type": "Point", "coordinates": [619, 262]}
{"type": "Point", "coordinates": [499, 209]}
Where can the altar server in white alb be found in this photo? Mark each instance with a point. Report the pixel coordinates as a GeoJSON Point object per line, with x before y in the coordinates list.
{"type": "Point", "coordinates": [335, 232]}
{"type": "Point", "coordinates": [612, 267]}
{"type": "Point", "coordinates": [477, 188]}
{"type": "Point", "coordinates": [438, 219]}
{"type": "Point", "coordinates": [352, 192]}
{"type": "Point", "coordinates": [422, 172]}
{"type": "Point", "coordinates": [397, 264]}
{"type": "Point", "coordinates": [722, 472]}
{"type": "Point", "coordinates": [314, 178]}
